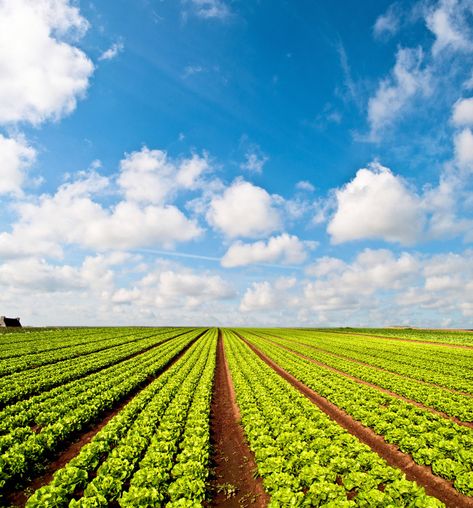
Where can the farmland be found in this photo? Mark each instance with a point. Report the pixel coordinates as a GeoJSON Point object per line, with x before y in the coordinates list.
{"type": "Point", "coordinates": [188, 417]}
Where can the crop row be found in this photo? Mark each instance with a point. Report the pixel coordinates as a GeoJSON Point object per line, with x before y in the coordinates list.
{"type": "Point", "coordinates": [447, 336]}
{"type": "Point", "coordinates": [73, 350]}
{"type": "Point", "coordinates": [24, 450]}
{"type": "Point", "coordinates": [304, 457]}
{"type": "Point", "coordinates": [427, 367]}
{"type": "Point", "coordinates": [15, 344]}
{"type": "Point", "coordinates": [453, 404]}
{"type": "Point", "coordinates": [158, 444]}
{"type": "Point", "coordinates": [429, 438]}
{"type": "Point", "coordinates": [25, 384]}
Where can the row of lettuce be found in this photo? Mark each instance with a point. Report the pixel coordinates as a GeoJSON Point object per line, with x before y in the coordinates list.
{"type": "Point", "coordinates": [21, 385]}
{"type": "Point", "coordinates": [454, 404]}
{"type": "Point", "coordinates": [444, 366]}
{"type": "Point", "coordinates": [304, 458]}
{"type": "Point", "coordinates": [34, 429]}
{"type": "Point", "coordinates": [464, 337]}
{"type": "Point", "coordinates": [154, 452]}
{"type": "Point", "coordinates": [430, 439]}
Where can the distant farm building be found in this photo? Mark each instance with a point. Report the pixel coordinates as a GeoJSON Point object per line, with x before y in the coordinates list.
{"type": "Point", "coordinates": [9, 322]}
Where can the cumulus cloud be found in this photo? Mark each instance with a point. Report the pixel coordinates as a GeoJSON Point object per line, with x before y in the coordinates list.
{"type": "Point", "coordinates": [72, 216]}
{"type": "Point", "coordinates": [112, 52]}
{"type": "Point", "coordinates": [463, 112]}
{"type": "Point", "coordinates": [150, 176]}
{"type": "Point", "coordinates": [376, 204]}
{"type": "Point", "coordinates": [266, 295]}
{"type": "Point", "coordinates": [244, 210]}
{"type": "Point", "coordinates": [16, 156]}
{"type": "Point", "coordinates": [285, 249]}
{"type": "Point", "coordinates": [407, 80]}
{"type": "Point", "coordinates": [43, 74]}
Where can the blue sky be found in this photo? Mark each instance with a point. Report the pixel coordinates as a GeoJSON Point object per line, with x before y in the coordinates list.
{"type": "Point", "coordinates": [230, 162]}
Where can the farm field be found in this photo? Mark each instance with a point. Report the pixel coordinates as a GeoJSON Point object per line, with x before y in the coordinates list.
{"type": "Point", "coordinates": [188, 417]}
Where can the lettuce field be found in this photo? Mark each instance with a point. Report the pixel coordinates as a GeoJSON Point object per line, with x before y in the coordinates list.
{"type": "Point", "coordinates": [191, 417]}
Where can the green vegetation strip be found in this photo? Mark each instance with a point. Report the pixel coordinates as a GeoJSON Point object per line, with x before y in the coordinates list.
{"type": "Point", "coordinates": [430, 439]}
{"type": "Point", "coordinates": [154, 452]}
{"type": "Point", "coordinates": [305, 458]}
{"type": "Point", "coordinates": [420, 362]}
{"type": "Point", "coordinates": [25, 451]}
{"type": "Point", "coordinates": [453, 404]}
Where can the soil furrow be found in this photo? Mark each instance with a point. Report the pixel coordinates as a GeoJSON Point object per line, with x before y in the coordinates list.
{"type": "Point", "coordinates": [422, 475]}
{"type": "Point", "coordinates": [20, 496]}
{"type": "Point", "coordinates": [233, 485]}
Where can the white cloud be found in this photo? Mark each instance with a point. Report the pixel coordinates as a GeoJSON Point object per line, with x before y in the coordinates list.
{"type": "Point", "coordinates": [254, 160]}
{"type": "Point", "coordinates": [15, 158]}
{"type": "Point", "coordinates": [376, 204]}
{"type": "Point", "coordinates": [71, 216]}
{"type": "Point", "coordinates": [394, 93]}
{"type": "Point", "coordinates": [388, 23]}
{"type": "Point", "coordinates": [266, 296]}
{"type": "Point", "coordinates": [305, 185]}
{"type": "Point", "coordinates": [150, 176]}
{"type": "Point", "coordinates": [448, 22]}
{"type": "Point", "coordinates": [43, 75]}
{"type": "Point", "coordinates": [244, 210]}
{"type": "Point", "coordinates": [208, 9]}
{"type": "Point", "coordinates": [285, 249]}
{"type": "Point", "coordinates": [112, 52]}
{"type": "Point", "coordinates": [464, 148]}
{"type": "Point", "coordinates": [343, 286]}
{"type": "Point", "coordinates": [463, 112]}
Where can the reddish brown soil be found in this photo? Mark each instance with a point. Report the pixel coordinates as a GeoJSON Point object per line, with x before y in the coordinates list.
{"type": "Point", "coordinates": [376, 387]}
{"type": "Point", "coordinates": [234, 484]}
{"type": "Point", "coordinates": [345, 357]}
{"type": "Point", "coordinates": [19, 497]}
{"type": "Point", "coordinates": [422, 475]}
{"type": "Point", "coordinates": [432, 343]}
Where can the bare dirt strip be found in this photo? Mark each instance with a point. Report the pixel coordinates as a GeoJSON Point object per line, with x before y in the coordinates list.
{"type": "Point", "coordinates": [422, 475]}
{"type": "Point", "coordinates": [375, 386]}
{"type": "Point", "coordinates": [20, 496]}
{"type": "Point", "coordinates": [431, 343]}
{"type": "Point", "coordinates": [233, 485]}
{"type": "Point", "coordinates": [349, 358]}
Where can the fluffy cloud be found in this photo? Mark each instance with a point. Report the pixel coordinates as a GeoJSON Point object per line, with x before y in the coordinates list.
{"type": "Point", "coordinates": [71, 216]}
{"type": "Point", "coordinates": [448, 21]}
{"type": "Point", "coordinates": [149, 176]}
{"type": "Point", "coordinates": [407, 80]}
{"type": "Point", "coordinates": [464, 148]}
{"type": "Point", "coordinates": [376, 204]}
{"type": "Point", "coordinates": [15, 158]}
{"type": "Point", "coordinates": [244, 210]}
{"type": "Point", "coordinates": [43, 75]}
{"type": "Point", "coordinates": [463, 112]}
{"type": "Point", "coordinates": [265, 295]}
{"type": "Point", "coordinates": [285, 249]}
